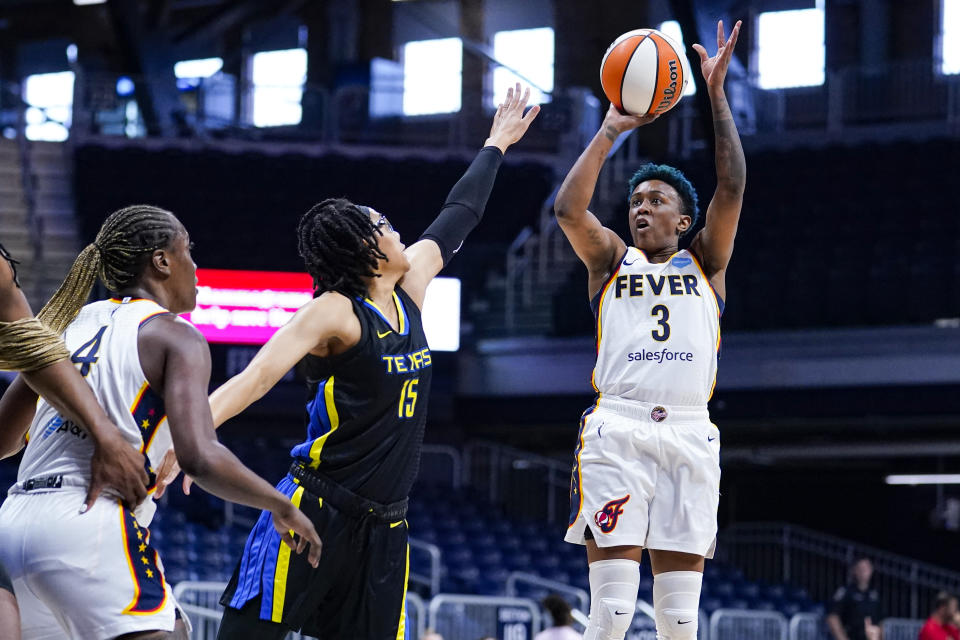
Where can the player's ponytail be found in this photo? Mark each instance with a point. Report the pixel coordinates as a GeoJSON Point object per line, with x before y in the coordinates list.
{"type": "Point", "coordinates": [117, 256]}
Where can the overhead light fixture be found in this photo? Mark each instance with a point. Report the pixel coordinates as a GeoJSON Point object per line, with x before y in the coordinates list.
{"type": "Point", "coordinates": [925, 478]}
{"type": "Point", "coordinates": [81, 3]}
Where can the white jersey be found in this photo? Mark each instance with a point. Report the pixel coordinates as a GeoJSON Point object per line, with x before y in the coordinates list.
{"type": "Point", "coordinates": [658, 331]}
{"type": "Point", "coordinates": [103, 341]}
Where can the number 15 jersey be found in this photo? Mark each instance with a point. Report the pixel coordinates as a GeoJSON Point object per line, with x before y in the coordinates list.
{"type": "Point", "coordinates": [658, 331]}
{"type": "Point", "coordinates": [367, 407]}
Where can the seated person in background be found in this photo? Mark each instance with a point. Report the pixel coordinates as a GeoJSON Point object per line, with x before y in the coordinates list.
{"type": "Point", "coordinates": [856, 606]}
{"type": "Point", "coordinates": [944, 622]}
{"type": "Point", "coordinates": [562, 628]}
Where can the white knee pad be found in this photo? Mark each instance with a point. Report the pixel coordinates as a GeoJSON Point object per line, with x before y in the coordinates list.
{"type": "Point", "coordinates": [613, 598]}
{"type": "Point", "coordinates": [676, 603]}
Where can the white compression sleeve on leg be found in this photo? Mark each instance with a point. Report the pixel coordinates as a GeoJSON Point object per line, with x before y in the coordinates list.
{"type": "Point", "coordinates": [676, 601]}
{"type": "Point", "coordinates": [613, 598]}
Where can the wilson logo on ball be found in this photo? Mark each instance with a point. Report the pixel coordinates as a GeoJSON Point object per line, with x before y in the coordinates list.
{"type": "Point", "coordinates": [644, 72]}
{"type": "Point", "coordinates": [608, 517]}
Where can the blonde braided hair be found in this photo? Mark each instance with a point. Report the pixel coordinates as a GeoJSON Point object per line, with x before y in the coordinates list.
{"type": "Point", "coordinates": [117, 256]}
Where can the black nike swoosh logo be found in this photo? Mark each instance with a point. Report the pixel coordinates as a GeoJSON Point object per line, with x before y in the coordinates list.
{"type": "Point", "coordinates": [684, 621]}
{"type": "Point", "coordinates": [621, 613]}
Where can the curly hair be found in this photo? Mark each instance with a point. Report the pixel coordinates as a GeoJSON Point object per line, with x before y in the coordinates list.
{"type": "Point", "coordinates": [117, 256]}
{"type": "Point", "coordinates": [338, 244]}
{"type": "Point", "coordinates": [675, 178]}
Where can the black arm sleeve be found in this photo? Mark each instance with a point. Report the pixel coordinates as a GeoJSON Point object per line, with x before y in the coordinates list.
{"type": "Point", "coordinates": [465, 204]}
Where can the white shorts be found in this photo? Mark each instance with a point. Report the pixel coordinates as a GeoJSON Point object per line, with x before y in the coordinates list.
{"type": "Point", "coordinates": [92, 576]}
{"type": "Point", "coordinates": [646, 475]}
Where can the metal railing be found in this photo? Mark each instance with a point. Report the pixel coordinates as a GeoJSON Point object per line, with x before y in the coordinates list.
{"type": "Point", "coordinates": [807, 626]}
{"type": "Point", "coordinates": [538, 487]}
{"type": "Point", "coordinates": [731, 624]}
{"type": "Point", "coordinates": [866, 102]}
{"type": "Point", "coordinates": [578, 598]}
{"type": "Point", "coordinates": [432, 551]}
{"type": "Point", "coordinates": [416, 617]}
{"type": "Point", "coordinates": [201, 602]}
{"type": "Point", "coordinates": [460, 616]}
{"type": "Point", "coordinates": [441, 455]}
{"type": "Point", "coordinates": [820, 563]}
{"type": "Point", "coordinates": [901, 629]}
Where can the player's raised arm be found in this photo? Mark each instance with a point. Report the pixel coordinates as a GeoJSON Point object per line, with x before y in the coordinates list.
{"type": "Point", "coordinates": [598, 247]}
{"type": "Point", "coordinates": [315, 325]}
{"type": "Point", "coordinates": [465, 204]}
{"type": "Point", "coordinates": [714, 244]}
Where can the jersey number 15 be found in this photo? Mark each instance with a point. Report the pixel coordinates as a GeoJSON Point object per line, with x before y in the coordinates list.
{"type": "Point", "coordinates": [408, 398]}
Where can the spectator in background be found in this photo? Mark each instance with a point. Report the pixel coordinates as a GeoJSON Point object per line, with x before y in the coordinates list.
{"type": "Point", "coordinates": [562, 620]}
{"type": "Point", "coordinates": [944, 622]}
{"type": "Point", "coordinates": [430, 634]}
{"type": "Point", "coordinates": [856, 606]}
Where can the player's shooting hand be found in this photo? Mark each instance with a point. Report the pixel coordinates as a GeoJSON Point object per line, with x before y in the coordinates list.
{"type": "Point", "coordinates": [289, 520]}
{"type": "Point", "coordinates": [117, 465]}
{"type": "Point", "coordinates": [166, 473]}
{"type": "Point", "coordinates": [715, 69]}
{"type": "Point", "coordinates": [616, 122]}
{"type": "Point", "coordinates": [510, 123]}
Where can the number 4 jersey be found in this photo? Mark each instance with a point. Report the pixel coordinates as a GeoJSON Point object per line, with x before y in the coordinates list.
{"type": "Point", "coordinates": [658, 331]}
{"type": "Point", "coordinates": [367, 407]}
{"type": "Point", "coordinates": [103, 341]}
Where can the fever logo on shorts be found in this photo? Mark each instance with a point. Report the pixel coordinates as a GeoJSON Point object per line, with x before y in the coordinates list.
{"type": "Point", "coordinates": [608, 517]}
{"type": "Point", "coordinates": [659, 414]}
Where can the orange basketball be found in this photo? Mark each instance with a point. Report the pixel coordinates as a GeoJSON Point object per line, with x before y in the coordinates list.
{"type": "Point", "coordinates": [644, 72]}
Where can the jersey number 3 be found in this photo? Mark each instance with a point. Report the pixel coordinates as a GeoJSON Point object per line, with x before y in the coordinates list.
{"type": "Point", "coordinates": [662, 332]}
{"type": "Point", "coordinates": [86, 355]}
{"type": "Point", "coordinates": [408, 398]}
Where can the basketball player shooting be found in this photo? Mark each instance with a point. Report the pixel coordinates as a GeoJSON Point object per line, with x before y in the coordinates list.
{"type": "Point", "coordinates": [647, 466]}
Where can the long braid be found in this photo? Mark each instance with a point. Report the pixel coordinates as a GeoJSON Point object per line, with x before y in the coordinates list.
{"type": "Point", "coordinates": [338, 244]}
{"type": "Point", "coordinates": [125, 241]}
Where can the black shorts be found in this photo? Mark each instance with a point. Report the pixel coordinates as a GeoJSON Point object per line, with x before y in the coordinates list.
{"type": "Point", "coordinates": [358, 590]}
{"type": "Point", "coordinates": [5, 583]}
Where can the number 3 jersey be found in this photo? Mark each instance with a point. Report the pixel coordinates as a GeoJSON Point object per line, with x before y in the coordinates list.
{"type": "Point", "coordinates": [103, 341]}
{"type": "Point", "coordinates": [367, 407]}
{"type": "Point", "coordinates": [658, 331]}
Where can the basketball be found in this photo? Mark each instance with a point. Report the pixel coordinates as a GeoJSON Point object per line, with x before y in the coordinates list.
{"type": "Point", "coordinates": [644, 72]}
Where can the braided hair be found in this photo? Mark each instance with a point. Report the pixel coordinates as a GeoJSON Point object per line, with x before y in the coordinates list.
{"type": "Point", "coordinates": [338, 244]}
{"type": "Point", "coordinates": [118, 255]}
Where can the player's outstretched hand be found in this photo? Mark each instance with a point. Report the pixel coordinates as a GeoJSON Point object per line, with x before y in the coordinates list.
{"type": "Point", "coordinates": [289, 520]}
{"type": "Point", "coordinates": [616, 122]}
{"type": "Point", "coordinates": [117, 465]}
{"type": "Point", "coordinates": [715, 69]}
{"type": "Point", "coordinates": [510, 123]}
{"type": "Point", "coordinates": [167, 472]}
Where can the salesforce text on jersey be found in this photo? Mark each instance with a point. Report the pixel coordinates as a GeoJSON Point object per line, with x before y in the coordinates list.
{"type": "Point", "coordinates": [659, 356]}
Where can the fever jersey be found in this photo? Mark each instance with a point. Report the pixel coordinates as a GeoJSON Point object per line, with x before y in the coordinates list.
{"type": "Point", "coordinates": [658, 331]}
{"type": "Point", "coordinates": [103, 341]}
{"type": "Point", "coordinates": [367, 407]}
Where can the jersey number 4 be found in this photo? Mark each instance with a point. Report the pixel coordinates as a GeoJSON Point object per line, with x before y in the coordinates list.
{"type": "Point", "coordinates": [408, 398]}
{"type": "Point", "coordinates": [662, 332]}
{"type": "Point", "coordinates": [86, 355]}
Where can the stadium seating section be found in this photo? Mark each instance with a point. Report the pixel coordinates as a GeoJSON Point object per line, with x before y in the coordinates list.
{"type": "Point", "coordinates": [480, 546]}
